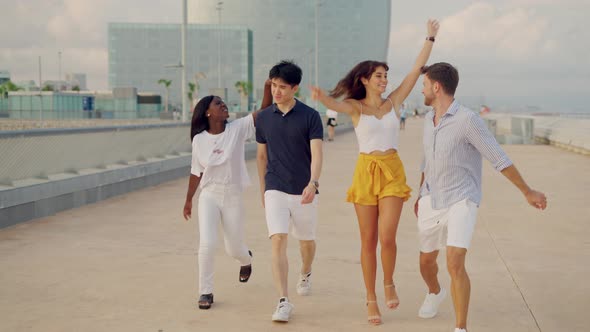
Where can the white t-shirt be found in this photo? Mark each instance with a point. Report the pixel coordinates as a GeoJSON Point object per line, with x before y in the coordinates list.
{"type": "Point", "coordinates": [221, 157]}
{"type": "Point", "coordinates": [331, 114]}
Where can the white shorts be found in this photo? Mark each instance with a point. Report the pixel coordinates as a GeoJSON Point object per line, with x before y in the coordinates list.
{"type": "Point", "coordinates": [284, 211]}
{"type": "Point", "coordinates": [455, 223]}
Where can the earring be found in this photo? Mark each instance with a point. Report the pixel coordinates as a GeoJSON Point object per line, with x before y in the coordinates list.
{"type": "Point", "coordinates": [208, 114]}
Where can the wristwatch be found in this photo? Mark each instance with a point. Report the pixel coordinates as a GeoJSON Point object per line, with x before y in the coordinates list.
{"type": "Point", "coordinates": [315, 183]}
{"type": "Point", "coordinates": [430, 38]}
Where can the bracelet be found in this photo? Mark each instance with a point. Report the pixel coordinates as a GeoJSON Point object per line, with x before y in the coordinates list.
{"type": "Point", "coordinates": [430, 38]}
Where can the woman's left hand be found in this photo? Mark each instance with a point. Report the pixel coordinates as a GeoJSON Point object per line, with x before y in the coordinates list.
{"type": "Point", "coordinates": [432, 27]}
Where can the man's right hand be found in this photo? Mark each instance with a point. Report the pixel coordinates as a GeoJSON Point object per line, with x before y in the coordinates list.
{"type": "Point", "coordinates": [416, 207]}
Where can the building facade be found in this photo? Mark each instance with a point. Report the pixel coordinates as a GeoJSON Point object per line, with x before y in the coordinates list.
{"type": "Point", "coordinates": [349, 31]}
{"type": "Point", "coordinates": [77, 79]}
{"type": "Point", "coordinates": [4, 76]}
{"type": "Point", "coordinates": [120, 103]}
{"type": "Point", "coordinates": [142, 54]}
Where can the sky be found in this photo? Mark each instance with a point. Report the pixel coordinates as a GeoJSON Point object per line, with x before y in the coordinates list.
{"type": "Point", "coordinates": [509, 53]}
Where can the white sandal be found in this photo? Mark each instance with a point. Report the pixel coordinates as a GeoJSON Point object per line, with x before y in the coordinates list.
{"type": "Point", "coordinates": [374, 319]}
{"type": "Point", "coordinates": [392, 304]}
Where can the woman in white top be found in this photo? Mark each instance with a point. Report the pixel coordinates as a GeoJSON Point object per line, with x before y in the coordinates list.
{"type": "Point", "coordinates": [379, 183]}
{"type": "Point", "coordinates": [219, 168]}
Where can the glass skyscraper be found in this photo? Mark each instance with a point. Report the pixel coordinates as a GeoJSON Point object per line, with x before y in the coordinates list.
{"type": "Point", "coordinates": [349, 31]}
{"type": "Point", "coordinates": [142, 54]}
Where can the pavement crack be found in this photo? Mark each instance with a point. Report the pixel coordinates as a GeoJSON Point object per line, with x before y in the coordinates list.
{"type": "Point", "coordinates": [512, 276]}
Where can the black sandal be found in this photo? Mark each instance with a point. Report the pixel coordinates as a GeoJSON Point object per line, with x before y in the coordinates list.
{"type": "Point", "coordinates": [205, 301]}
{"type": "Point", "coordinates": [246, 270]}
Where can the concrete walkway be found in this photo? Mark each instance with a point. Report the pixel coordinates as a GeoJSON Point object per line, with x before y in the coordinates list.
{"type": "Point", "coordinates": [129, 263]}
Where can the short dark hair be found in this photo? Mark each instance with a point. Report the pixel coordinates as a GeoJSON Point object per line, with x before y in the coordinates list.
{"type": "Point", "coordinates": [287, 71]}
{"type": "Point", "coordinates": [445, 74]}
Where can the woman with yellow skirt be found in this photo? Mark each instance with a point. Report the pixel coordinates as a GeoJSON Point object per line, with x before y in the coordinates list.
{"type": "Point", "coordinates": [379, 187]}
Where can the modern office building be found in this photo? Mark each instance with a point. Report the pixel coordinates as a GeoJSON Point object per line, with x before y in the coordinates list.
{"type": "Point", "coordinates": [4, 76]}
{"type": "Point", "coordinates": [120, 103]}
{"type": "Point", "coordinates": [142, 54]}
{"type": "Point", "coordinates": [349, 31]}
{"type": "Point", "coordinates": [77, 79]}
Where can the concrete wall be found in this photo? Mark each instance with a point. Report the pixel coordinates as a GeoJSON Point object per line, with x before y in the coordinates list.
{"type": "Point", "coordinates": [43, 197]}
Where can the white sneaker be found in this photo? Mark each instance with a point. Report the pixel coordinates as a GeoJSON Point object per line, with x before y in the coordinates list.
{"type": "Point", "coordinates": [304, 284]}
{"type": "Point", "coordinates": [431, 303]}
{"type": "Point", "coordinates": [460, 330]}
{"type": "Point", "coordinates": [283, 312]}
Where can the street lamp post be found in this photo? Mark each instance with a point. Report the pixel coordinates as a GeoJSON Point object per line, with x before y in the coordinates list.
{"type": "Point", "coordinates": [219, 8]}
{"type": "Point", "coordinates": [317, 9]}
{"type": "Point", "coordinates": [183, 60]}
{"type": "Point", "coordinates": [40, 93]}
{"type": "Point", "coordinates": [59, 70]}
{"type": "Point", "coordinates": [279, 37]}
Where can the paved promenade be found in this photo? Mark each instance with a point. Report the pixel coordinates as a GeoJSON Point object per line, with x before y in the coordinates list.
{"type": "Point", "coordinates": [129, 263]}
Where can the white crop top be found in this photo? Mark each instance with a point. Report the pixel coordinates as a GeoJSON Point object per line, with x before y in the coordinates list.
{"type": "Point", "coordinates": [375, 134]}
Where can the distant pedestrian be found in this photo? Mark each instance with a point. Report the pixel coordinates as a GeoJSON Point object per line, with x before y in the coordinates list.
{"type": "Point", "coordinates": [403, 115]}
{"type": "Point", "coordinates": [332, 123]}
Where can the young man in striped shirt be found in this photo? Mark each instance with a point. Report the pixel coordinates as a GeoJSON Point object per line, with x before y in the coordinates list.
{"type": "Point", "coordinates": [455, 139]}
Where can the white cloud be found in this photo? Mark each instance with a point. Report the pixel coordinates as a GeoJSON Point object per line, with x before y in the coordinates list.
{"type": "Point", "coordinates": [92, 61]}
{"type": "Point", "coordinates": [483, 31]}
{"type": "Point", "coordinates": [77, 28]}
{"type": "Point", "coordinates": [533, 49]}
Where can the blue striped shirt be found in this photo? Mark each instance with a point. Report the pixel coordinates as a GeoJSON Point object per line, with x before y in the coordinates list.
{"type": "Point", "coordinates": [452, 156]}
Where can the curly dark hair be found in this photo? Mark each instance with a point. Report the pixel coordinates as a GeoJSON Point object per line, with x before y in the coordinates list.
{"type": "Point", "coordinates": [199, 121]}
{"type": "Point", "coordinates": [351, 85]}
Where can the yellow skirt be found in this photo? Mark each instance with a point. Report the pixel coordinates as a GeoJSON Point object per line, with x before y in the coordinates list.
{"type": "Point", "coordinates": [376, 177]}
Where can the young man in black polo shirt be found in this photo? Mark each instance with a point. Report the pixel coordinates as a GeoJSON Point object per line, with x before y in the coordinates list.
{"type": "Point", "coordinates": [289, 135]}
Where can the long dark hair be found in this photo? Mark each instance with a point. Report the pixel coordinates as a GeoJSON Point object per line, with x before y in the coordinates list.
{"type": "Point", "coordinates": [199, 122]}
{"type": "Point", "coordinates": [351, 85]}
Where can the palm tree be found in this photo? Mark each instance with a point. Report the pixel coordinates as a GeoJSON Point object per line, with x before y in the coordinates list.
{"type": "Point", "coordinates": [166, 84]}
{"type": "Point", "coordinates": [244, 89]}
{"type": "Point", "coordinates": [192, 87]}
{"type": "Point", "coordinates": [7, 87]}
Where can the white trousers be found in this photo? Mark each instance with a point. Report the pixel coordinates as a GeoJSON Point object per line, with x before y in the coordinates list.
{"type": "Point", "coordinates": [219, 203]}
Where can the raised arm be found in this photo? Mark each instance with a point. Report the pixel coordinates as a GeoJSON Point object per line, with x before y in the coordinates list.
{"type": "Point", "coordinates": [331, 103]}
{"type": "Point", "coordinates": [400, 94]}
{"type": "Point", "coordinates": [266, 99]}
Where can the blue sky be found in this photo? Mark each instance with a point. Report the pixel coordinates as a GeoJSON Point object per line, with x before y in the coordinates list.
{"type": "Point", "coordinates": [517, 52]}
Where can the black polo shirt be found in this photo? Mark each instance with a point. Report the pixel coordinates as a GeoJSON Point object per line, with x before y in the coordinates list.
{"type": "Point", "coordinates": [287, 137]}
